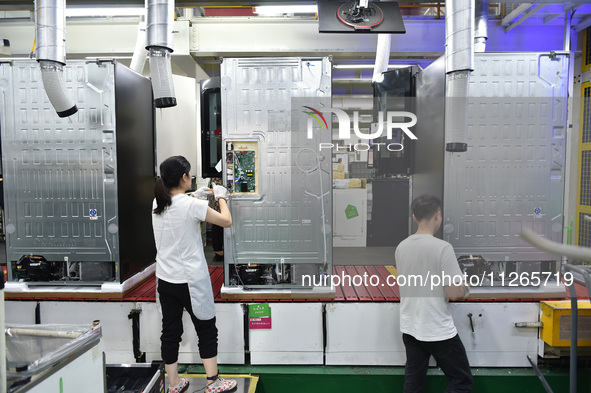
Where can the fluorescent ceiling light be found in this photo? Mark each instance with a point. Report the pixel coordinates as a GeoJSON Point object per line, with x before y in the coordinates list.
{"type": "Point", "coordinates": [368, 66]}
{"type": "Point", "coordinates": [116, 11]}
{"type": "Point", "coordinates": [274, 10]}
{"type": "Point", "coordinates": [107, 58]}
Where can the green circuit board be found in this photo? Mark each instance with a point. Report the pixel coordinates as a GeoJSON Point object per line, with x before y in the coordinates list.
{"type": "Point", "coordinates": [244, 171]}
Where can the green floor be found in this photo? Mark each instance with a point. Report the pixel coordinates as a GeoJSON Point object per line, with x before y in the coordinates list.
{"type": "Point", "coordinates": [343, 379]}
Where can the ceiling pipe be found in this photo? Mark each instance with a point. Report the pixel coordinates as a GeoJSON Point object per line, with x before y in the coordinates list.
{"type": "Point", "coordinates": [481, 25]}
{"type": "Point", "coordinates": [459, 62]}
{"type": "Point", "coordinates": [160, 25]}
{"type": "Point", "coordinates": [50, 35]}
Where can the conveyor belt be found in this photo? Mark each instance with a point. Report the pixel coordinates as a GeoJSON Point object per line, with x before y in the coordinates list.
{"type": "Point", "coordinates": [382, 292]}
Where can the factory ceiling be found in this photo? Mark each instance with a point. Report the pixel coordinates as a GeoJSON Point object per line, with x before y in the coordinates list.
{"type": "Point", "coordinates": [28, 4]}
{"type": "Point", "coordinates": [209, 38]}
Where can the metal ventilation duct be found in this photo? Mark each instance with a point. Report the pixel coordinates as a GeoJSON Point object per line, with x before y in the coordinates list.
{"type": "Point", "coordinates": [160, 44]}
{"type": "Point", "coordinates": [481, 25]}
{"type": "Point", "coordinates": [50, 33]}
{"type": "Point", "coordinates": [459, 62]}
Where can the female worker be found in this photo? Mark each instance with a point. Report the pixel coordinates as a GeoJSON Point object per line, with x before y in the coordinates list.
{"type": "Point", "coordinates": [181, 269]}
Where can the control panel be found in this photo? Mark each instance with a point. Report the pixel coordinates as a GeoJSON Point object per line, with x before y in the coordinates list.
{"type": "Point", "coordinates": [242, 169]}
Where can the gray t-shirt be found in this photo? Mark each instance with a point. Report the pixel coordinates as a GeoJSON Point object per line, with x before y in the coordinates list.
{"type": "Point", "coordinates": [424, 262]}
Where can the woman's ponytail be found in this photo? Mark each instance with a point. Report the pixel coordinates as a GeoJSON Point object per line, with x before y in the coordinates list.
{"type": "Point", "coordinates": [171, 172]}
{"type": "Point", "coordinates": [163, 199]}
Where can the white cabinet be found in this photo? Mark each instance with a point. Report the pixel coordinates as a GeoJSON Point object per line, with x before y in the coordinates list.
{"type": "Point", "coordinates": [296, 336]}
{"type": "Point", "coordinates": [349, 217]}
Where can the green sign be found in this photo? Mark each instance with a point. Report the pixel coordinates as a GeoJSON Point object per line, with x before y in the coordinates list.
{"type": "Point", "coordinates": [260, 310]}
{"type": "Point", "coordinates": [351, 212]}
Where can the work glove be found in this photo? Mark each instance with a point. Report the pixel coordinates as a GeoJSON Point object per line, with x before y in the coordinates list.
{"type": "Point", "coordinates": [220, 192]}
{"type": "Point", "coordinates": [202, 192]}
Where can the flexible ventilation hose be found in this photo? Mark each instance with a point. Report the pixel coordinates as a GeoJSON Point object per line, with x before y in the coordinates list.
{"type": "Point", "coordinates": [382, 57]}
{"type": "Point", "coordinates": [50, 36]}
{"type": "Point", "coordinates": [160, 44]}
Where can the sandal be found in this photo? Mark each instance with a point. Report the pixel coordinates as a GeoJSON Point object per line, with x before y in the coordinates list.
{"type": "Point", "coordinates": [220, 384]}
{"type": "Point", "coordinates": [181, 387]}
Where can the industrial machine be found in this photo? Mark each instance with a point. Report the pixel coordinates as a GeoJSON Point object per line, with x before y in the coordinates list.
{"type": "Point", "coordinates": [279, 179]}
{"type": "Point", "coordinates": [77, 190]}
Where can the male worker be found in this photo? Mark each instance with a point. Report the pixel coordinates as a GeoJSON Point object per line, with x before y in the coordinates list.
{"type": "Point", "coordinates": [425, 321]}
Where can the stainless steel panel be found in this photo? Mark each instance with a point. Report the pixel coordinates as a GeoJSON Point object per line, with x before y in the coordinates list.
{"type": "Point", "coordinates": [60, 175]}
{"type": "Point", "coordinates": [428, 150]}
{"type": "Point", "coordinates": [289, 217]}
{"type": "Point", "coordinates": [512, 175]}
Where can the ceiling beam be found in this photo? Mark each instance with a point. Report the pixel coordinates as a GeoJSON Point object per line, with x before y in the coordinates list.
{"type": "Point", "coordinates": [550, 18]}
{"type": "Point", "coordinates": [525, 17]}
{"type": "Point", "coordinates": [515, 13]}
{"type": "Point", "coordinates": [583, 24]}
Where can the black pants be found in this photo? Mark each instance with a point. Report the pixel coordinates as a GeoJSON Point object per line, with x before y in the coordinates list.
{"type": "Point", "coordinates": [450, 356]}
{"type": "Point", "coordinates": [217, 238]}
{"type": "Point", "coordinates": [174, 298]}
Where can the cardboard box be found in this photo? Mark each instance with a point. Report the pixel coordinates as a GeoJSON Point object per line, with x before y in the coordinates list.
{"type": "Point", "coordinates": [357, 183]}
{"type": "Point", "coordinates": [338, 167]}
{"type": "Point", "coordinates": [354, 183]}
{"type": "Point", "coordinates": [338, 174]}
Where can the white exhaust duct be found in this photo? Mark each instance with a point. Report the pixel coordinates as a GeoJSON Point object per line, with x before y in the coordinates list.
{"type": "Point", "coordinates": [50, 35]}
{"type": "Point", "coordinates": [160, 44]}
{"type": "Point", "coordinates": [459, 62]}
{"type": "Point", "coordinates": [481, 25]}
{"type": "Point", "coordinates": [382, 57]}
{"type": "Point", "coordinates": [138, 60]}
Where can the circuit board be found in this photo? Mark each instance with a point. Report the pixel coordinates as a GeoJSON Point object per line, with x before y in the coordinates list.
{"type": "Point", "coordinates": [244, 171]}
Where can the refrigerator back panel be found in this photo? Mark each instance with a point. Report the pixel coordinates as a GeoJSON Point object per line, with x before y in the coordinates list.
{"type": "Point", "coordinates": [512, 176]}
{"type": "Point", "coordinates": [65, 189]}
{"type": "Point", "coordinates": [60, 183]}
{"type": "Point", "coordinates": [280, 182]}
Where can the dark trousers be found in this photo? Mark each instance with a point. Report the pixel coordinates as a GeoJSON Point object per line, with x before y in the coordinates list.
{"type": "Point", "coordinates": [450, 356]}
{"type": "Point", "coordinates": [217, 238]}
{"type": "Point", "coordinates": [174, 298]}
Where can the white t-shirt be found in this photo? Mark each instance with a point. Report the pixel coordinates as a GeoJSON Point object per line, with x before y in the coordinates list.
{"type": "Point", "coordinates": [424, 312]}
{"type": "Point", "coordinates": [177, 234]}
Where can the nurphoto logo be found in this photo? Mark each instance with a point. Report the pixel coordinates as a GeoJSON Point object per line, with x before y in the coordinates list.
{"type": "Point", "coordinates": [388, 121]}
